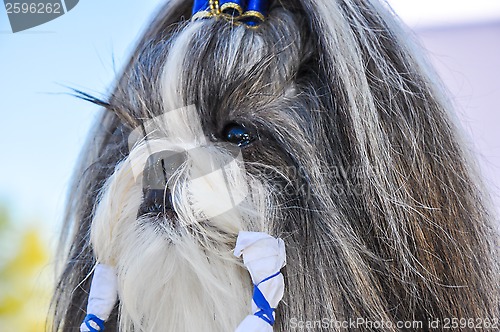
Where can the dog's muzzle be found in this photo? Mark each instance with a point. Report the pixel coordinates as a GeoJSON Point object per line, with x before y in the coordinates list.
{"type": "Point", "coordinates": [157, 196]}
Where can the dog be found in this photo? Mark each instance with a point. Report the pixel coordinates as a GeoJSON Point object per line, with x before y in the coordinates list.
{"type": "Point", "coordinates": [321, 125]}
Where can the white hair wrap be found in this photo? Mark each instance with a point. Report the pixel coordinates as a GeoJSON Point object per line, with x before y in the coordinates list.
{"type": "Point", "coordinates": [263, 256]}
{"type": "Point", "coordinates": [102, 298]}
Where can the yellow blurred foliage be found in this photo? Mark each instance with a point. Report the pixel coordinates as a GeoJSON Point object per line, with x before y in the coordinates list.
{"type": "Point", "coordinates": [25, 286]}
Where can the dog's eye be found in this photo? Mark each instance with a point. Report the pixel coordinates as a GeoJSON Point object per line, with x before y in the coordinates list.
{"type": "Point", "coordinates": [237, 134]}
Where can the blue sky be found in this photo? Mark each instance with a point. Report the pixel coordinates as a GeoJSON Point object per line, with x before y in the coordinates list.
{"type": "Point", "coordinates": [43, 128]}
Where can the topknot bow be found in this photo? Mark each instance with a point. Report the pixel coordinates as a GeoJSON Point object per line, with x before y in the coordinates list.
{"type": "Point", "coordinates": [249, 12]}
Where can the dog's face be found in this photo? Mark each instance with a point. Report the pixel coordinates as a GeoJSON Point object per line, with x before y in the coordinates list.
{"type": "Point", "coordinates": [320, 127]}
{"type": "Point", "coordinates": [197, 174]}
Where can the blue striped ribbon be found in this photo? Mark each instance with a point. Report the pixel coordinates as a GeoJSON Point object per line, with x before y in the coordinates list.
{"type": "Point", "coordinates": [265, 312]}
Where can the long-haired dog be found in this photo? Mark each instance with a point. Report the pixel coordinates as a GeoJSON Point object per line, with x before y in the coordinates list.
{"type": "Point", "coordinates": [321, 126]}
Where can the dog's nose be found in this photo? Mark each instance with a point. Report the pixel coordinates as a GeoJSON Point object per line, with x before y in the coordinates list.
{"type": "Point", "coordinates": [156, 202]}
{"type": "Point", "coordinates": [160, 166]}
{"type": "Point", "coordinates": [157, 197]}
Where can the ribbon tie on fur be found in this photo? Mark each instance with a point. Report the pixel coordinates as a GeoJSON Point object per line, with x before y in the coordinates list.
{"type": "Point", "coordinates": [249, 12]}
{"type": "Point", "coordinates": [102, 298]}
{"type": "Point", "coordinates": [263, 256]}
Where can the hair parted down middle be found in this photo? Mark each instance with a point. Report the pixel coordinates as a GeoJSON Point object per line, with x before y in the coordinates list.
{"type": "Point", "coordinates": [355, 162]}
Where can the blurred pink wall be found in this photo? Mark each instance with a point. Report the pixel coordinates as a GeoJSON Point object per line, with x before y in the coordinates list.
{"type": "Point", "coordinates": [468, 59]}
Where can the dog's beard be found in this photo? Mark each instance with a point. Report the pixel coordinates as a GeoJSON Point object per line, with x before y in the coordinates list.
{"type": "Point", "coordinates": [175, 283]}
{"type": "Point", "coordinates": [178, 270]}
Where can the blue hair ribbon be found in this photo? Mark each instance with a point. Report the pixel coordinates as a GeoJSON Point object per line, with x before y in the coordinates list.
{"type": "Point", "coordinates": [265, 312]}
{"type": "Point", "coordinates": [96, 320]}
{"type": "Point", "coordinates": [250, 12]}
